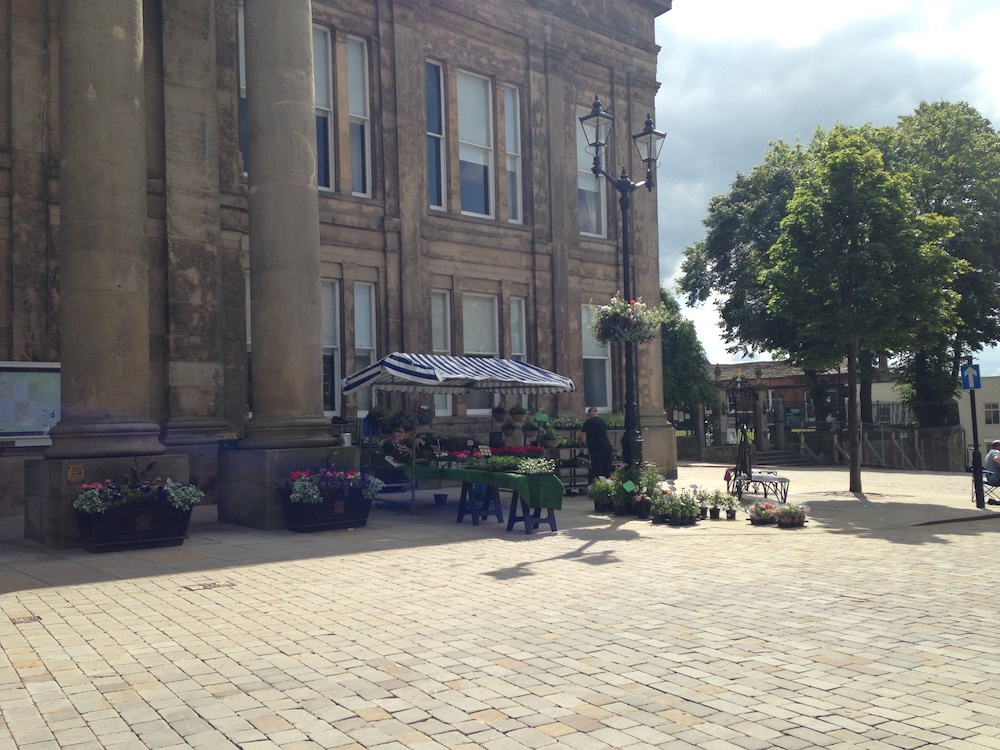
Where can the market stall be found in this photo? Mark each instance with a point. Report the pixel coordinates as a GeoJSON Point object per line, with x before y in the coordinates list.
{"type": "Point", "coordinates": [433, 373]}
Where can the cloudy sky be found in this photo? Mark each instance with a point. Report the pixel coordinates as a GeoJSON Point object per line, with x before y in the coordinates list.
{"type": "Point", "coordinates": [736, 75]}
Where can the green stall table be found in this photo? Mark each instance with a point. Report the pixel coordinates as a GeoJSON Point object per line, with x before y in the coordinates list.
{"type": "Point", "coordinates": [533, 492]}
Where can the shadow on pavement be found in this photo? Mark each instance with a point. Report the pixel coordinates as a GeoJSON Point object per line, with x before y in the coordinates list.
{"type": "Point", "coordinates": [900, 522]}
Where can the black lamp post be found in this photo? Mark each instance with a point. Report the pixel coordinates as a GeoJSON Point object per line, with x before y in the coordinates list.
{"type": "Point", "coordinates": [597, 130]}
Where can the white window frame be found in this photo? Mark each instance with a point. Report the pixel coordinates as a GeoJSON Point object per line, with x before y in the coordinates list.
{"type": "Point", "coordinates": [592, 349]}
{"type": "Point", "coordinates": [441, 341]}
{"type": "Point", "coordinates": [478, 153]}
{"type": "Point", "coordinates": [436, 139]}
{"type": "Point", "coordinates": [991, 412]}
{"type": "Point", "coordinates": [370, 346]}
{"type": "Point", "coordinates": [512, 145]}
{"type": "Point", "coordinates": [243, 135]}
{"type": "Point", "coordinates": [246, 292]}
{"type": "Point", "coordinates": [330, 306]}
{"type": "Point", "coordinates": [359, 115]}
{"type": "Point", "coordinates": [519, 337]}
{"type": "Point", "coordinates": [323, 100]}
{"type": "Point", "coordinates": [477, 349]}
{"type": "Point", "coordinates": [585, 177]}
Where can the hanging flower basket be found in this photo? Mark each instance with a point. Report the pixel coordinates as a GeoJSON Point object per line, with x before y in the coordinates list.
{"type": "Point", "coordinates": [627, 321]}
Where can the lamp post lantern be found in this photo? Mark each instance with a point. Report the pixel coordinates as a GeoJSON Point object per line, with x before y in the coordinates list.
{"type": "Point", "coordinates": [597, 127]}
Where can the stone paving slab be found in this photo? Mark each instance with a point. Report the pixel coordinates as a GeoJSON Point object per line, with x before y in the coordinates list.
{"type": "Point", "coordinates": [873, 627]}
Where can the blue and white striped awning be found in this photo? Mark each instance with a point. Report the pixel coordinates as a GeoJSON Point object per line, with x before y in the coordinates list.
{"type": "Point", "coordinates": [431, 373]}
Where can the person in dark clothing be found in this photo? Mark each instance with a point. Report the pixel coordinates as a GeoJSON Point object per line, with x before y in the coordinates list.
{"type": "Point", "coordinates": [595, 431]}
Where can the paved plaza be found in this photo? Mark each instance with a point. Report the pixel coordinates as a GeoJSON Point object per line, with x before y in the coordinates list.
{"type": "Point", "coordinates": [876, 626]}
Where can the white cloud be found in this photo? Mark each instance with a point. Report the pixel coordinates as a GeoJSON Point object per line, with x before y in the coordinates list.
{"type": "Point", "coordinates": [737, 75]}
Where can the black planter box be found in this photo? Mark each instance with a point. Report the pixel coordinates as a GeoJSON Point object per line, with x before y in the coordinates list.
{"type": "Point", "coordinates": [139, 524]}
{"type": "Point", "coordinates": [348, 511]}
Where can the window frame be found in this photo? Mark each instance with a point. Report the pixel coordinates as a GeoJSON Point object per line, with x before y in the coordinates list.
{"type": "Point", "coordinates": [991, 412]}
{"type": "Point", "coordinates": [325, 144]}
{"type": "Point", "coordinates": [584, 166]}
{"type": "Point", "coordinates": [487, 150]}
{"type": "Point", "coordinates": [330, 332]}
{"type": "Point", "coordinates": [482, 353]}
{"type": "Point", "coordinates": [438, 139]}
{"type": "Point", "coordinates": [586, 313]}
{"type": "Point", "coordinates": [513, 153]}
{"type": "Point", "coordinates": [441, 346]}
{"type": "Point", "coordinates": [362, 118]}
{"type": "Point", "coordinates": [241, 52]}
{"type": "Point", "coordinates": [373, 348]}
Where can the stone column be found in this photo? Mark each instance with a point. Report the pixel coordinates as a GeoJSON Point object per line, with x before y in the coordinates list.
{"type": "Point", "coordinates": [284, 229]}
{"type": "Point", "coordinates": [104, 278]}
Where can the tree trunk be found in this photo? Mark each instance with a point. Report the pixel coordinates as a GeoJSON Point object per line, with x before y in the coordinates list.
{"type": "Point", "coordinates": [866, 371]}
{"type": "Point", "coordinates": [853, 426]}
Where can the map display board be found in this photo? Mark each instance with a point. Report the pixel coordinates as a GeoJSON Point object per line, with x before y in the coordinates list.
{"type": "Point", "coordinates": [29, 398]}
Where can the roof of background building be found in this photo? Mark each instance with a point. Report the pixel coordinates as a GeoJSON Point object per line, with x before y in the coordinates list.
{"type": "Point", "coordinates": [768, 369]}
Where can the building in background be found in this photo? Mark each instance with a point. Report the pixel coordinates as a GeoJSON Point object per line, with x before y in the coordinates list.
{"type": "Point", "coordinates": [433, 146]}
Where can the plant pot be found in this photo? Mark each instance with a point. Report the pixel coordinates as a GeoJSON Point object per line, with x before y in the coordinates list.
{"type": "Point", "coordinates": [518, 418]}
{"type": "Point", "coordinates": [642, 509]}
{"type": "Point", "coordinates": [440, 498]}
{"type": "Point", "coordinates": [730, 515]}
{"type": "Point", "coordinates": [139, 524]}
{"type": "Point", "coordinates": [791, 523]}
{"type": "Point", "coordinates": [703, 512]}
{"type": "Point", "coordinates": [660, 518]}
{"type": "Point", "coordinates": [337, 511]}
{"type": "Point", "coordinates": [714, 513]}
{"type": "Point", "coordinates": [762, 521]}
{"type": "Point", "coordinates": [550, 443]}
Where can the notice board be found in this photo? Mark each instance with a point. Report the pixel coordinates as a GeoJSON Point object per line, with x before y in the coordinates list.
{"type": "Point", "coordinates": [29, 398]}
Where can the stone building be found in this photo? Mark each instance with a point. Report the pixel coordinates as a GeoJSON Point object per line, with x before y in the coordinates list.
{"type": "Point", "coordinates": [320, 183]}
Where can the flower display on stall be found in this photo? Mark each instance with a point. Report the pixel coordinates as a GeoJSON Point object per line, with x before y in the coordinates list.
{"type": "Point", "coordinates": [627, 320]}
{"type": "Point", "coordinates": [312, 485]}
{"type": "Point", "coordinates": [536, 466]}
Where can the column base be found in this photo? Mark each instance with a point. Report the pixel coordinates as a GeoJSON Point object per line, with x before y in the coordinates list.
{"type": "Point", "coordinates": [659, 442]}
{"type": "Point", "coordinates": [283, 432]}
{"type": "Point", "coordinates": [104, 440]}
{"type": "Point", "coordinates": [51, 485]}
{"type": "Point", "coordinates": [248, 480]}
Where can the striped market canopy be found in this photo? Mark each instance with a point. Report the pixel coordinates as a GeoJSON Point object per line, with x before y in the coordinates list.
{"type": "Point", "coordinates": [432, 373]}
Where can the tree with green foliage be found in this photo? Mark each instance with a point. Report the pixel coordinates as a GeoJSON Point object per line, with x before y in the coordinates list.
{"type": "Point", "coordinates": [953, 156]}
{"type": "Point", "coordinates": [686, 380]}
{"type": "Point", "coordinates": [742, 225]}
{"type": "Point", "coordinates": [855, 267]}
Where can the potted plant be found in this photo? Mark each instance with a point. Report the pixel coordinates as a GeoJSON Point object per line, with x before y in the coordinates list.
{"type": "Point", "coordinates": [791, 516]}
{"type": "Point", "coordinates": [716, 502]}
{"type": "Point", "coordinates": [730, 503]}
{"type": "Point", "coordinates": [762, 514]}
{"type": "Point", "coordinates": [499, 413]}
{"type": "Point", "coordinates": [627, 320]}
{"type": "Point", "coordinates": [509, 427]}
{"type": "Point", "coordinates": [602, 492]}
{"type": "Point", "coordinates": [519, 413]}
{"type": "Point", "coordinates": [327, 498]}
{"type": "Point", "coordinates": [530, 427]}
{"type": "Point", "coordinates": [643, 506]}
{"type": "Point", "coordinates": [132, 512]}
{"type": "Point", "coordinates": [659, 507]}
{"type": "Point", "coordinates": [552, 437]}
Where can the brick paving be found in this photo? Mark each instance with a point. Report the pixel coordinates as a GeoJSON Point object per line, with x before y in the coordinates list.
{"type": "Point", "coordinates": [873, 627]}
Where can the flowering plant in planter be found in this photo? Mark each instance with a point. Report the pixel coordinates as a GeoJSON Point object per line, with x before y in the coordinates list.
{"type": "Point", "coordinates": [312, 485]}
{"type": "Point", "coordinates": [792, 513]}
{"type": "Point", "coordinates": [765, 512]}
{"type": "Point", "coordinates": [631, 320]}
{"type": "Point", "coordinates": [100, 497]}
